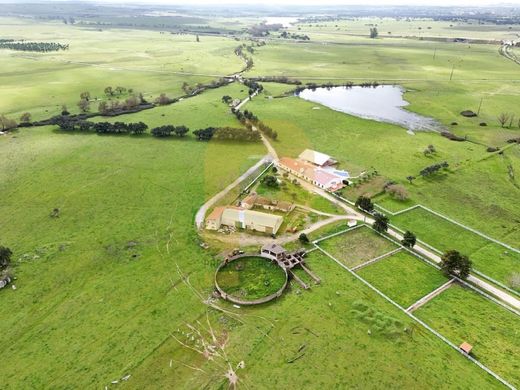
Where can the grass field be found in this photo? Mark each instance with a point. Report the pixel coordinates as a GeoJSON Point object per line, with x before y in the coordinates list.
{"type": "Point", "coordinates": [117, 283]}
{"type": "Point", "coordinates": [98, 288]}
{"type": "Point", "coordinates": [328, 325]}
{"type": "Point", "coordinates": [403, 277]}
{"type": "Point", "coordinates": [146, 61]}
{"type": "Point", "coordinates": [357, 246]}
{"type": "Point", "coordinates": [463, 315]}
{"type": "Point", "coordinates": [492, 259]}
{"type": "Point", "coordinates": [251, 278]}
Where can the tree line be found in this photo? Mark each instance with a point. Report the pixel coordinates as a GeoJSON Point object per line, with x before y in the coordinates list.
{"type": "Point", "coordinates": [250, 120]}
{"type": "Point", "coordinates": [43, 47]}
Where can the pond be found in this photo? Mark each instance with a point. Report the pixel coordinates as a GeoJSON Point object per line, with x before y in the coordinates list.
{"type": "Point", "coordinates": [383, 103]}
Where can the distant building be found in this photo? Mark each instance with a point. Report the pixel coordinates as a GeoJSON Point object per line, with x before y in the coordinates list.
{"type": "Point", "coordinates": [327, 179]}
{"type": "Point", "coordinates": [241, 218]}
{"type": "Point", "coordinates": [317, 158]}
{"type": "Point", "coordinates": [255, 200]}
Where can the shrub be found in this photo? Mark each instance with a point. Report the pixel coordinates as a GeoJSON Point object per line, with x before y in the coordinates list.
{"type": "Point", "coordinates": [397, 191]}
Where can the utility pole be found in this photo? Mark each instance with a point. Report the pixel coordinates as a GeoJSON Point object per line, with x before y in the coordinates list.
{"type": "Point", "coordinates": [452, 69]}
{"type": "Point", "coordinates": [434, 52]}
{"type": "Point", "coordinates": [480, 106]}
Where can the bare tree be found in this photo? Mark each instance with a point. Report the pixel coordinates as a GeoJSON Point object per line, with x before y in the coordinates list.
{"type": "Point", "coordinates": [84, 105]}
{"type": "Point", "coordinates": [25, 117]}
{"type": "Point", "coordinates": [503, 117]}
{"type": "Point", "coordinates": [6, 123]}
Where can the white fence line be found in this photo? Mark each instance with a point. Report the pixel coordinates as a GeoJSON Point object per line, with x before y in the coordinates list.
{"type": "Point", "coordinates": [256, 178]}
{"type": "Point", "coordinates": [362, 265]}
{"type": "Point", "coordinates": [337, 233]}
{"type": "Point", "coordinates": [433, 331]}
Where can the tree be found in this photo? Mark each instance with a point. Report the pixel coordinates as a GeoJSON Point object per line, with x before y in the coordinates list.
{"type": "Point", "coordinates": [409, 239]}
{"type": "Point", "coordinates": [84, 105]}
{"type": "Point", "coordinates": [103, 107]}
{"type": "Point", "coordinates": [5, 257]}
{"type": "Point", "coordinates": [25, 117]}
{"type": "Point", "coordinates": [7, 123]}
{"type": "Point", "coordinates": [429, 150]}
{"type": "Point", "coordinates": [197, 38]}
{"type": "Point", "coordinates": [397, 191]}
{"type": "Point", "coordinates": [303, 238]}
{"type": "Point", "coordinates": [270, 181]}
{"type": "Point", "coordinates": [503, 117]}
{"type": "Point", "coordinates": [85, 96]}
{"type": "Point", "coordinates": [120, 90]}
{"type": "Point", "coordinates": [109, 91]}
{"type": "Point", "coordinates": [163, 100]}
{"type": "Point", "coordinates": [373, 32]}
{"type": "Point", "coordinates": [227, 99]}
{"type": "Point", "coordinates": [454, 263]}
{"type": "Point", "coordinates": [64, 110]}
{"type": "Point", "coordinates": [380, 222]}
{"type": "Point", "coordinates": [410, 178]}
{"type": "Point", "coordinates": [181, 131]}
{"type": "Point", "coordinates": [364, 203]}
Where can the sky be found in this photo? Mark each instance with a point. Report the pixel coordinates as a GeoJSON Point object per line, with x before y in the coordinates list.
{"type": "Point", "coordinates": [322, 2]}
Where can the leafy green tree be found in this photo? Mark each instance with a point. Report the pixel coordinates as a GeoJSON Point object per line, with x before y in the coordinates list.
{"type": "Point", "coordinates": [373, 32]}
{"type": "Point", "coordinates": [380, 222]}
{"type": "Point", "coordinates": [5, 257]}
{"type": "Point", "coordinates": [303, 238]}
{"type": "Point", "coordinates": [270, 181]}
{"type": "Point", "coordinates": [410, 178]}
{"type": "Point", "coordinates": [409, 239]}
{"type": "Point", "coordinates": [109, 91]}
{"type": "Point", "coordinates": [454, 263]}
{"type": "Point", "coordinates": [364, 203]}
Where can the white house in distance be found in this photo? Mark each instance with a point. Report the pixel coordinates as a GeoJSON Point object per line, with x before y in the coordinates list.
{"type": "Point", "coordinates": [239, 217]}
{"type": "Point", "coordinates": [316, 168]}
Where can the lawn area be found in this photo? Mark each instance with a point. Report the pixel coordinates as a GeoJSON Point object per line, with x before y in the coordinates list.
{"type": "Point", "coordinates": [294, 193]}
{"type": "Point", "coordinates": [101, 287]}
{"type": "Point", "coordinates": [328, 326]}
{"type": "Point", "coordinates": [492, 259]}
{"type": "Point", "coordinates": [251, 278]}
{"type": "Point", "coordinates": [403, 277]}
{"type": "Point", "coordinates": [357, 246]}
{"type": "Point", "coordinates": [463, 315]}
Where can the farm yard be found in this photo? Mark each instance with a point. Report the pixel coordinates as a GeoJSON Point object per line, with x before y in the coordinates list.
{"type": "Point", "coordinates": [113, 282]}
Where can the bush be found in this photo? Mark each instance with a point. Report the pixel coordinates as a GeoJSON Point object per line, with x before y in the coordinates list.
{"type": "Point", "coordinates": [397, 191]}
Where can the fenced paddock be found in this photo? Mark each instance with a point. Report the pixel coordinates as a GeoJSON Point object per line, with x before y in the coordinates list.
{"type": "Point", "coordinates": [492, 260]}
{"type": "Point", "coordinates": [403, 277]}
{"type": "Point", "coordinates": [463, 315]}
{"type": "Point", "coordinates": [357, 246]}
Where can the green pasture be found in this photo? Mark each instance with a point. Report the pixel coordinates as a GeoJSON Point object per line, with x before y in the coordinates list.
{"type": "Point", "coordinates": [297, 340]}
{"type": "Point", "coordinates": [492, 259]}
{"type": "Point", "coordinates": [149, 62]}
{"type": "Point", "coordinates": [403, 277]}
{"type": "Point", "coordinates": [251, 278]}
{"type": "Point", "coordinates": [357, 246]}
{"type": "Point", "coordinates": [463, 315]}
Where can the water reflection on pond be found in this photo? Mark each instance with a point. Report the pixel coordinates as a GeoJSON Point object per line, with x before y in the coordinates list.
{"type": "Point", "coordinates": [383, 103]}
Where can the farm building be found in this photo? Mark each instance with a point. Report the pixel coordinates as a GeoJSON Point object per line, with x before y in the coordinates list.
{"type": "Point", "coordinates": [317, 158]}
{"type": "Point", "coordinates": [241, 218]}
{"type": "Point", "coordinates": [329, 180]}
{"type": "Point", "coordinates": [255, 200]}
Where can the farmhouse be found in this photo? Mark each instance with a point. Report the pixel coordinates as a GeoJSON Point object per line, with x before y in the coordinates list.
{"type": "Point", "coordinates": [242, 218]}
{"type": "Point", "coordinates": [255, 200]}
{"type": "Point", "coordinates": [320, 177]}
